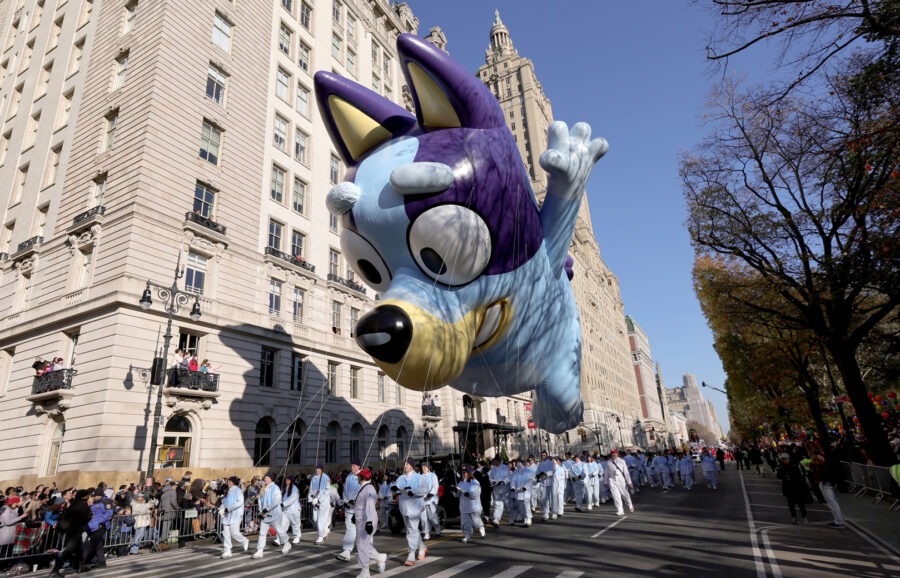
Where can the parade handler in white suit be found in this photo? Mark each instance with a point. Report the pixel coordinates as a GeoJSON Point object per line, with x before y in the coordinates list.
{"type": "Point", "coordinates": [619, 481]}
{"type": "Point", "coordinates": [499, 476]}
{"type": "Point", "coordinates": [232, 511]}
{"type": "Point", "coordinates": [469, 493]}
{"type": "Point", "coordinates": [411, 490]}
{"type": "Point", "coordinates": [270, 512]}
{"type": "Point", "coordinates": [320, 498]}
{"type": "Point", "coordinates": [430, 521]}
{"type": "Point", "coordinates": [351, 487]}
{"type": "Point", "coordinates": [521, 483]}
{"type": "Point", "coordinates": [365, 520]}
{"type": "Point", "coordinates": [290, 506]}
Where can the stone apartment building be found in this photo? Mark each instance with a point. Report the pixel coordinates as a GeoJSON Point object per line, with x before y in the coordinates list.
{"type": "Point", "coordinates": [653, 410]}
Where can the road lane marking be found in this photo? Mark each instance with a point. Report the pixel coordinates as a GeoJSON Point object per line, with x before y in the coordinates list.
{"type": "Point", "coordinates": [512, 571]}
{"type": "Point", "coordinates": [757, 556]}
{"type": "Point", "coordinates": [458, 569]}
{"type": "Point", "coordinates": [402, 569]}
{"type": "Point", "coordinates": [570, 574]}
{"type": "Point", "coordinates": [611, 526]}
{"type": "Point", "coordinates": [773, 563]}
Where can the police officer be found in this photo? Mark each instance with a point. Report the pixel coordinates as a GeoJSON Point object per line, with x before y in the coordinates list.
{"type": "Point", "coordinates": [102, 511]}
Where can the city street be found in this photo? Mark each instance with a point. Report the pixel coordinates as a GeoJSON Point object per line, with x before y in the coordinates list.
{"type": "Point", "coordinates": [676, 533]}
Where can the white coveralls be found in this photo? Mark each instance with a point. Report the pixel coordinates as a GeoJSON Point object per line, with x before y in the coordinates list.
{"type": "Point", "coordinates": [686, 469]}
{"type": "Point", "coordinates": [632, 464]}
{"type": "Point", "coordinates": [270, 503]}
{"type": "Point", "coordinates": [351, 487]}
{"type": "Point", "coordinates": [430, 521]}
{"type": "Point", "coordinates": [535, 490]}
{"type": "Point", "coordinates": [662, 471]}
{"type": "Point", "coordinates": [364, 512]}
{"type": "Point", "coordinates": [602, 491]}
{"type": "Point", "coordinates": [710, 468]}
{"type": "Point", "coordinates": [499, 476]}
{"type": "Point", "coordinates": [570, 486]}
{"type": "Point", "coordinates": [320, 498]}
{"type": "Point", "coordinates": [560, 479]}
{"type": "Point", "coordinates": [521, 483]}
{"type": "Point", "coordinates": [411, 489]}
{"type": "Point", "coordinates": [385, 501]}
{"type": "Point", "coordinates": [290, 510]}
{"type": "Point", "coordinates": [590, 476]}
{"type": "Point", "coordinates": [232, 512]}
{"type": "Point", "coordinates": [546, 473]}
{"type": "Point", "coordinates": [578, 475]}
{"type": "Point", "coordinates": [618, 479]}
{"type": "Point", "coordinates": [470, 506]}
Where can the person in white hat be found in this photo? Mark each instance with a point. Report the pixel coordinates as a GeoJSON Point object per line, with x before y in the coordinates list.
{"type": "Point", "coordinates": [619, 481]}
{"type": "Point", "coordinates": [411, 490]}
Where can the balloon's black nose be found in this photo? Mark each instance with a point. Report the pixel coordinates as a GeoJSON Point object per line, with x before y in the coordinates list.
{"type": "Point", "coordinates": [385, 333]}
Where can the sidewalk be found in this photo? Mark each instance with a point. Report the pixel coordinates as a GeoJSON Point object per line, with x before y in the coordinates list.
{"type": "Point", "coordinates": [873, 518]}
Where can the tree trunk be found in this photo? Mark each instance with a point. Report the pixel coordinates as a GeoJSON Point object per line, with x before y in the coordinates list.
{"type": "Point", "coordinates": [877, 445]}
{"type": "Point", "coordinates": [816, 410]}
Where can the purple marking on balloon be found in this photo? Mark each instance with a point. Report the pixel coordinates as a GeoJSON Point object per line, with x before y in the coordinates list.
{"type": "Point", "coordinates": [570, 272]}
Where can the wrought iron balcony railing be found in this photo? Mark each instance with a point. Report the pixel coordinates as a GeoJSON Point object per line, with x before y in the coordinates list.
{"type": "Point", "coordinates": [53, 381]}
{"type": "Point", "coordinates": [87, 215]}
{"type": "Point", "coordinates": [431, 411]}
{"type": "Point", "coordinates": [290, 259]}
{"type": "Point", "coordinates": [29, 244]}
{"type": "Point", "coordinates": [205, 222]}
{"type": "Point", "coordinates": [194, 380]}
{"type": "Point", "coordinates": [346, 283]}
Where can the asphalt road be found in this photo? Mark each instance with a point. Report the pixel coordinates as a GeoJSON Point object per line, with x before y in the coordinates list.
{"type": "Point", "coordinates": [676, 533]}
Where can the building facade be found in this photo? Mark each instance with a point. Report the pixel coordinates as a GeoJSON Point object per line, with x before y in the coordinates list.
{"type": "Point", "coordinates": [612, 414]}
{"type": "Point", "coordinates": [688, 400]}
{"type": "Point", "coordinates": [648, 382]}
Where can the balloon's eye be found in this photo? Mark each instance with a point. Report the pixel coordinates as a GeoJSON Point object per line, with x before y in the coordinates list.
{"type": "Point", "coordinates": [365, 260]}
{"type": "Point", "coordinates": [451, 244]}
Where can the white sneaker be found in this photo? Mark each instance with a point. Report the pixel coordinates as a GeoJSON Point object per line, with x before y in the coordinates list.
{"type": "Point", "coordinates": [620, 513]}
{"type": "Point", "coordinates": [257, 555]}
{"type": "Point", "coordinates": [464, 539]}
{"type": "Point", "coordinates": [481, 531]}
{"type": "Point", "coordinates": [319, 540]}
{"type": "Point", "coordinates": [553, 517]}
{"type": "Point", "coordinates": [422, 552]}
{"type": "Point", "coordinates": [286, 548]}
{"type": "Point", "coordinates": [277, 541]}
{"type": "Point", "coordinates": [225, 555]}
{"type": "Point", "coordinates": [527, 524]}
{"type": "Point", "coordinates": [343, 556]}
{"type": "Point", "coordinates": [545, 518]}
{"type": "Point", "coordinates": [246, 545]}
{"type": "Point", "coordinates": [296, 540]}
{"type": "Point", "coordinates": [382, 562]}
{"type": "Point", "coordinates": [590, 507]}
{"type": "Point", "coordinates": [364, 573]}
{"type": "Point", "coordinates": [426, 537]}
{"type": "Point", "coordinates": [631, 509]}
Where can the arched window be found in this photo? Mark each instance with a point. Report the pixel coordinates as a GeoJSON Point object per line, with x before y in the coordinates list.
{"type": "Point", "coordinates": [295, 454]}
{"type": "Point", "coordinates": [401, 443]}
{"type": "Point", "coordinates": [382, 442]}
{"type": "Point", "coordinates": [356, 442]}
{"type": "Point", "coordinates": [262, 443]}
{"type": "Point", "coordinates": [179, 434]}
{"type": "Point", "coordinates": [56, 441]}
{"type": "Point", "coordinates": [331, 442]}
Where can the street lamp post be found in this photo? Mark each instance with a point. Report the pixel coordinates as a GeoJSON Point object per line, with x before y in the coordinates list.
{"type": "Point", "coordinates": [173, 300]}
{"type": "Point", "coordinates": [621, 437]}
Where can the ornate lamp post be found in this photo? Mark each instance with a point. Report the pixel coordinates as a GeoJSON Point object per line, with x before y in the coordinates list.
{"type": "Point", "coordinates": [173, 300]}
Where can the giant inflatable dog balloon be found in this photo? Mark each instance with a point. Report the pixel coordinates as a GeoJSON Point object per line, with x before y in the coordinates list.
{"type": "Point", "coordinates": [439, 218]}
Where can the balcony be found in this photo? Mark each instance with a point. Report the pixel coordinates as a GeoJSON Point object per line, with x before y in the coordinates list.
{"type": "Point", "coordinates": [53, 387]}
{"type": "Point", "coordinates": [28, 247]}
{"type": "Point", "coordinates": [296, 263]}
{"type": "Point", "coordinates": [89, 216]}
{"type": "Point", "coordinates": [431, 412]}
{"type": "Point", "coordinates": [195, 385]}
{"type": "Point", "coordinates": [346, 283]}
{"type": "Point", "coordinates": [205, 222]}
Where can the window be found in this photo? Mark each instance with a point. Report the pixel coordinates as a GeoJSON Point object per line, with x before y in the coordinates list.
{"type": "Point", "coordinates": [281, 84]}
{"type": "Point", "coordinates": [180, 426]}
{"type": "Point", "coordinates": [189, 343]}
{"type": "Point", "coordinates": [351, 62]}
{"type": "Point", "coordinates": [210, 142]}
{"type": "Point", "coordinates": [275, 229]}
{"type": "Point", "coordinates": [279, 136]}
{"type": "Point", "coordinates": [204, 200]}
{"type": "Point", "coordinates": [375, 55]}
{"type": "Point", "coordinates": [56, 442]}
{"type": "Point", "coordinates": [195, 274]}
{"type": "Point", "coordinates": [334, 263]}
{"type": "Point", "coordinates": [299, 202]}
{"type": "Point", "coordinates": [332, 379]}
{"type": "Point", "coordinates": [86, 10]}
{"type": "Point", "coordinates": [25, 295]}
{"type": "Point", "coordinates": [334, 170]}
{"type": "Point", "coordinates": [274, 298]}
{"type": "Point", "coordinates": [297, 244]}
{"type": "Point", "coordinates": [336, 317]}
{"type": "Point", "coordinates": [298, 372]}
{"type": "Point", "coordinates": [267, 367]}
{"type": "Point", "coordinates": [31, 131]}
{"type": "Point", "coordinates": [65, 110]}
{"type": "Point", "coordinates": [44, 81]}
{"type": "Point", "coordinates": [99, 191]}
{"type": "Point", "coordinates": [351, 26]}
{"type": "Point", "coordinates": [85, 268]}
{"type": "Point", "coordinates": [19, 188]}
{"type": "Point", "coordinates": [399, 400]}
{"type": "Point", "coordinates": [301, 141]}
{"type": "Point", "coordinates": [52, 165]}
{"type": "Point", "coordinates": [71, 348]}
{"type": "Point", "coordinates": [284, 39]}
{"type": "Point", "coordinates": [109, 137]}
{"type": "Point", "coordinates": [6, 361]}
{"type": "Point", "coordinates": [40, 224]}
{"type": "Point", "coordinates": [331, 442]}
{"type": "Point", "coordinates": [221, 33]}
{"type": "Point", "coordinates": [382, 394]}
{"type": "Point", "coordinates": [287, 4]}
{"type": "Point", "coordinates": [354, 382]}
{"type": "Point", "coordinates": [305, 15]}
{"type": "Point", "coordinates": [262, 443]}
{"type": "Point", "coordinates": [354, 319]}
{"type": "Point", "coordinates": [302, 100]}
{"type": "Point", "coordinates": [401, 443]}
{"type": "Point", "coordinates": [376, 84]}
{"type": "Point", "coordinates": [26, 56]}
{"type": "Point", "coordinates": [4, 146]}
{"type": "Point", "coordinates": [303, 56]}
{"type": "Point", "coordinates": [336, 11]}
{"type": "Point", "coordinates": [216, 80]}
{"type": "Point", "coordinates": [295, 453]}
{"type": "Point", "coordinates": [336, 47]}
{"type": "Point", "coordinates": [36, 15]}
{"type": "Point", "coordinates": [386, 64]}
{"type": "Point", "coordinates": [333, 221]}
{"type": "Point", "coordinates": [356, 441]}
{"type": "Point", "coordinates": [130, 15]}
{"type": "Point", "coordinates": [382, 442]}
{"type": "Point", "coordinates": [77, 52]}
{"type": "Point", "coordinates": [297, 304]}
{"type": "Point", "coordinates": [121, 71]}
{"type": "Point", "coordinates": [14, 103]}
{"type": "Point", "coordinates": [277, 188]}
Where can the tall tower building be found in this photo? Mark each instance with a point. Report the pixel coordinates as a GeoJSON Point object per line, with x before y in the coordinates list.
{"type": "Point", "coordinates": [652, 408]}
{"type": "Point", "coordinates": [612, 403]}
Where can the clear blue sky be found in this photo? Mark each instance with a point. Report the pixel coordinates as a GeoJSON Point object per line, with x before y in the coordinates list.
{"type": "Point", "coordinates": [636, 72]}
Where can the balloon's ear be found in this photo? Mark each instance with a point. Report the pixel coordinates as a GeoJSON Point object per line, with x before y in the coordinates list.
{"type": "Point", "coordinates": [445, 94]}
{"type": "Point", "coordinates": [357, 119]}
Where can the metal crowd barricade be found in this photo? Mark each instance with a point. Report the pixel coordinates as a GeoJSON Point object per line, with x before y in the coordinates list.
{"type": "Point", "coordinates": [866, 479]}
